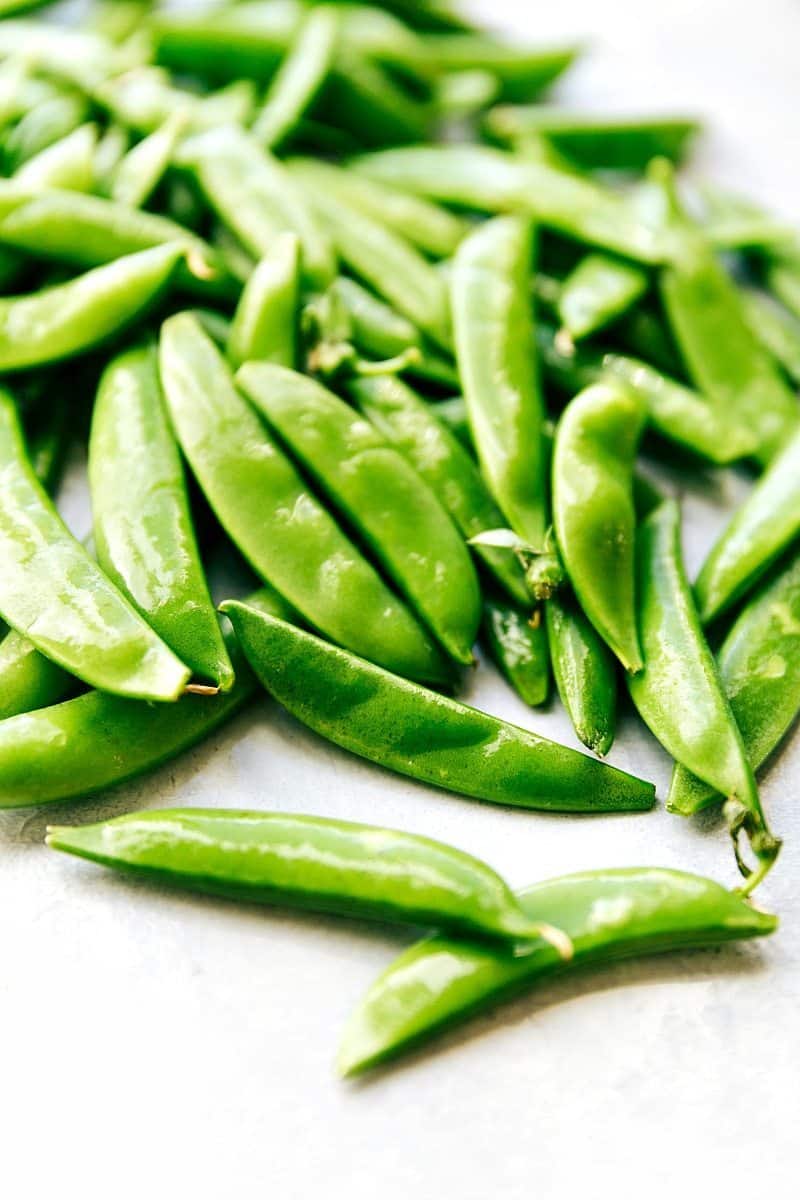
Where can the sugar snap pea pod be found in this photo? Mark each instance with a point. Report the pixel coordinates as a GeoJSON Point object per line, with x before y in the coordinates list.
{"type": "Point", "coordinates": [56, 595]}
{"type": "Point", "coordinates": [143, 529]}
{"type": "Point", "coordinates": [583, 668]}
{"type": "Point", "coordinates": [517, 644]}
{"type": "Point", "coordinates": [593, 511]}
{"type": "Point", "coordinates": [776, 328]}
{"type": "Point", "coordinates": [41, 126]}
{"type": "Point", "coordinates": [598, 290]}
{"type": "Point", "coordinates": [273, 518]}
{"type": "Point", "coordinates": [67, 163]}
{"type": "Point", "coordinates": [453, 414]}
{"type": "Point", "coordinates": [265, 323]}
{"type": "Point", "coordinates": [427, 226]}
{"type": "Point", "coordinates": [76, 55]}
{"type": "Point", "coordinates": [380, 495]}
{"type": "Point", "coordinates": [256, 198]}
{"type": "Point", "coordinates": [494, 341]}
{"type": "Point", "coordinates": [415, 429]}
{"type": "Point", "coordinates": [523, 72]}
{"type": "Point", "coordinates": [141, 170]}
{"type": "Point", "coordinates": [311, 862]}
{"type": "Point", "coordinates": [299, 78]}
{"type": "Point", "coordinates": [595, 141]}
{"type": "Point", "coordinates": [679, 694]}
{"type": "Point", "coordinates": [145, 99]}
{"type": "Point", "coordinates": [479, 177]}
{"type": "Point", "coordinates": [609, 915]}
{"type": "Point", "coordinates": [428, 737]}
{"type": "Point", "coordinates": [759, 665]}
{"type": "Point", "coordinates": [111, 149]}
{"type": "Point", "coordinates": [28, 679]}
{"type": "Point", "coordinates": [759, 531]}
{"type": "Point", "coordinates": [72, 317]}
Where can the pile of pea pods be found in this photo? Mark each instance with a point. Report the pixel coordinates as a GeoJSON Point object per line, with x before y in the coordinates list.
{"type": "Point", "coordinates": [333, 287]}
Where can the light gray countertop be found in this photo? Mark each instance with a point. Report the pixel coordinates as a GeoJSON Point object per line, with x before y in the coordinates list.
{"type": "Point", "coordinates": [157, 1044]}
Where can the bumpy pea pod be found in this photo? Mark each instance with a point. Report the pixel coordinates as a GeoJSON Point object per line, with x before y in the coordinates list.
{"type": "Point", "coordinates": [679, 694]}
{"type": "Point", "coordinates": [583, 669]}
{"type": "Point", "coordinates": [257, 198]}
{"type": "Point", "coordinates": [517, 644]}
{"type": "Point", "coordinates": [141, 170]}
{"type": "Point", "coordinates": [265, 324]}
{"type": "Point", "coordinates": [143, 529]}
{"type": "Point", "coordinates": [776, 328]}
{"type": "Point", "coordinates": [67, 163]}
{"type": "Point", "coordinates": [595, 141]}
{"type": "Point", "coordinates": [593, 509]}
{"type": "Point", "coordinates": [54, 594]}
{"type": "Point", "coordinates": [299, 78]}
{"type": "Point", "coordinates": [608, 915]}
{"type": "Point", "coordinates": [759, 665]}
{"type": "Point", "coordinates": [494, 339]}
{"type": "Point", "coordinates": [759, 531]}
{"type": "Point", "coordinates": [311, 862]}
{"type": "Point", "coordinates": [273, 518]}
{"type": "Point", "coordinates": [415, 429]}
{"type": "Point", "coordinates": [380, 495]}
{"type": "Point", "coordinates": [408, 729]}
{"type": "Point", "coordinates": [598, 290]}
{"type": "Point", "coordinates": [70, 318]}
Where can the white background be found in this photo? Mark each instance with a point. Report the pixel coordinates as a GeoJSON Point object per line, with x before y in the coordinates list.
{"type": "Point", "coordinates": [157, 1044]}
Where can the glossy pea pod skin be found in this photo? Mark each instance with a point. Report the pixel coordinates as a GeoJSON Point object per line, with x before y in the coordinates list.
{"type": "Point", "coordinates": [67, 163]}
{"type": "Point", "coordinates": [308, 862]}
{"type": "Point", "coordinates": [517, 644]}
{"type": "Point", "coordinates": [609, 915]}
{"type": "Point", "coordinates": [679, 694]}
{"type": "Point", "coordinates": [593, 509]}
{"type": "Point", "coordinates": [597, 291]}
{"type": "Point", "coordinates": [380, 495]}
{"type": "Point", "coordinates": [583, 668]}
{"type": "Point", "coordinates": [759, 531]}
{"type": "Point", "coordinates": [490, 293]}
{"type": "Point", "coordinates": [265, 323]}
{"type": "Point", "coordinates": [270, 514]}
{"type": "Point", "coordinates": [759, 665]}
{"type": "Point", "coordinates": [416, 732]}
{"type": "Point", "coordinates": [143, 530]}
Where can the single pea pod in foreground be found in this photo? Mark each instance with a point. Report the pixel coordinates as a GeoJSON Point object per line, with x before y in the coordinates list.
{"type": "Point", "coordinates": [608, 915]}
{"type": "Point", "coordinates": [584, 671]}
{"type": "Point", "coordinates": [419, 733]}
{"type": "Point", "coordinates": [310, 862]}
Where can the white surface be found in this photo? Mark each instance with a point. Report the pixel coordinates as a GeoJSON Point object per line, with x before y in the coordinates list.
{"type": "Point", "coordinates": [156, 1044]}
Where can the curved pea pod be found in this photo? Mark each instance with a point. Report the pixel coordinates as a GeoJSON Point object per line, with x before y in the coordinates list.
{"type": "Point", "coordinates": [270, 514]}
{"type": "Point", "coordinates": [55, 594]}
{"type": "Point", "coordinates": [597, 291]}
{"type": "Point", "coordinates": [426, 736]}
{"type": "Point", "coordinates": [265, 324]}
{"type": "Point", "coordinates": [776, 328]}
{"type": "Point", "coordinates": [608, 915]}
{"type": "Point", "coordinates": [759, 531]}
{"type": "Point", "coordinates": [310, 862]}
{"type": "Point", "coordinates": [256, 197]}
{"type": "Point", "coordinates": [143, 528]}
{"type": "Point", "coordinates": [593, 140]}
{"type": "Point", "coordinates": [522, 71]}
{"type": "Point", "coordinates": [517, 644]}
{"type": "Point", "coordinates": [299, 78]}
{"type": "Point", "coordinates": [67, 163]}
{"type": "Point", "coordinates": [437, 456]}
{"type": "Point", "coordinates": [679, 694]}
{"type": "Point", "coordinates": [759, 665]}
{"type": "Point", "coordinates": [43, 125]}
{"type": "Point", "coordinates": [28, 679]}
{"type": "Point", "coordinates": [593, 509]}
{"type": "Point", "coordinates": [380, 496]}
{"type": "Point", "coordinates": [72, 317]}
{"type": "Point", "coordinates": [583, 669]}
{"type": "Point", "coordinates": [141, 170]}
{"type": "Point", "coordinates": [79, 56]}
{"type": "Point", "coordinates": [490, 291]}
{"type": "Point", "coordinates": [143, 99]}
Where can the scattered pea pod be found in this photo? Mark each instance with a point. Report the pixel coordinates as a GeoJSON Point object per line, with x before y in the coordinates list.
{"type": "Point", "coordinates": [264, 326]}
{"type": "Point", "coordinates": [592, 140]}
{"type": "Point", "coordinates": [517, 643]}
{"type": "Point", "coordinates": [598, 290]}
{"type": "Point", "coordinates": [583, 668]}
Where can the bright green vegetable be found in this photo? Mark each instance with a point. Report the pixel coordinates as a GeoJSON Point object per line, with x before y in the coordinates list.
{"type": "Point", "coordinates": [265, 324]}
{"type": "Point", "coordinates": [517, 644]}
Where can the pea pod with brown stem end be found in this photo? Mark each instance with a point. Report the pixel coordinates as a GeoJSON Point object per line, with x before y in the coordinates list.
{"type": "Point", "coordinates": [608, 915]}
{"type": "Point", "coordinates": [416, 732]}
{"type": "Point", "coordinates": [315, 863]}
{"type": "Point", "coordinates": [679, 694]}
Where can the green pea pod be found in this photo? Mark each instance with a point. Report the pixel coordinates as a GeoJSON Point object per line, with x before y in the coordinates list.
{"type": "Point", "coordinates": [142, 169]}
{"type": "Point", "coordinates": [257, 198]}
{"type": "Point", "coordinates": [311, 862]}
{"type": "Point", "coordinates": [111, 149]}
{"type": "Point", "coordinates": [54, 594]}
{"type": "Point", "coordinates": [758, 533]}
{"type": "Point", "coordinates": [380, 496]}
{"type": "Point", "coordinates": [76, 55]}
{"type": "Point", "coordinates": [583, 669]}
{"type": "Point", "coordinates": [144, 99]}
{"type": "Point", "coordinates": [143, 528]}
{"type": "Point", "coordinates": [594, 141]}
{"type": "Point", "coordinates": [680, 677]}
{"type": "Point", "coordinates": [517, 644]}
{"type": "Point", "coordinates": [70, 318]}
{"type": "Point", "coordinates": [523, 72]}
{"type": "Point", "coordinates": [608, 915]}
{"type": "Point", "coordinates": [776, 328]}
{"type": "Point", "coordinates": [299, 78]}
{"type": "Point", "coordinates": [643, 332]}
{"type": "Point", "coordinates": [253, 489]}
{"type": "Point", "coordinates": [494, 340]}
{"type": "Point", "coordinates": [478, 177]}
{"type": "Point", "coordinates": [783, 278]}
{"type": "Point", "coordinates": [415, 429]}
{"type": "Point", "coordinates": [42, 126]}
{"type": "Point", "coordinates": [28, 679]}
{"type": "Point", "coordinates": [759, 665]}
{"type": "Point", "coordinates": [67, 163]}
{"type": "Point", "coordinates": [428, 737]}
{"type": "Point", "coordinates": [429, 227]}
{"type": "Point", "coordinates": [453, 414]}
{"type": "Point", "coordinates": [264, 326]}
{"type": "Point", "coordinates": [598, 290]}
{"type": "Point", "coordinates": [593, 510]}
